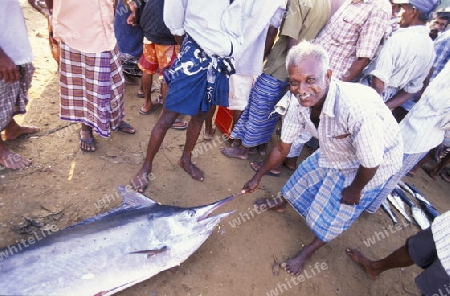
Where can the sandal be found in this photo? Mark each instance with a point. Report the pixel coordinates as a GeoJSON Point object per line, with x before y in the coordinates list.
{"type": "Point", "coordinates": [179, 125]}
{"type": "Point", "coordinates": [125, 127]}
{"type": "Point", "coordinates": [155, 107]}
{"type": "Point", "coordinates": [256, 165]}
{"type": "Point", "coordinates": [89, 143]}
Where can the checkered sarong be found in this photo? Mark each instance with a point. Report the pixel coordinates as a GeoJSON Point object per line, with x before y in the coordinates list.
{"type": "Point", "coordinates": [91, 88]}
{"type": "Point", "coordinates": [14, 96]}
{"type": "Point", "coordinates": [315, 193]}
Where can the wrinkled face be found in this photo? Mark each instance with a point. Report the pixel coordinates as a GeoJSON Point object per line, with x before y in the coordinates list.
{"type": "Point", "coordinates": [406, 15]}
{"type": "Point", "coordinates": [438, 24]}
{"type": "Point", "coordinates": [308, 82]}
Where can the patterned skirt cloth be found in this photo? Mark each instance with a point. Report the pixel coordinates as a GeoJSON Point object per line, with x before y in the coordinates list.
{"type": "Point", "coordinates": [256, 125]}
{"type": "Point", "coordinates": [14, 95]}
{"type": "Point", "coordinates": [315, 193]}
{"type": "Point", "coordinates": [92, 88]}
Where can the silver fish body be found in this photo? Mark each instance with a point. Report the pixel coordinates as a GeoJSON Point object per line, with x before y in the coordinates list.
{"type": "Point", "coordinates": [426, 205]}
{"type": "Point", "coordinates": [109, 252]}
{"type": "Point", "coordinates": [418, 215]}
{"type": "Point", "coordinates": [400, 206]}
{"type": "Point", "coordinates": [387, 208]}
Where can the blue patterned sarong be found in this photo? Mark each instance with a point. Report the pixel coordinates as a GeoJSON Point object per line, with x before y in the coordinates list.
{"type": "Point", "coordinates": [256, 125]}
{"type": "Point", "coordinates": [315, 193]}
{"type": "Point", "coordinates": [197, 81]}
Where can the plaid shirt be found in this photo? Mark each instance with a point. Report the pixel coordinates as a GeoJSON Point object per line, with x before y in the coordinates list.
{"type": "Point", "coordinates": [442, 49]}
{"type": "Point", "coordinates": [356, 128]}
{"type": "Point", "coordinates": [355, 30]}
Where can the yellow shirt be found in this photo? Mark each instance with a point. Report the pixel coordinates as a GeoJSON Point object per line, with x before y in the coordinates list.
{"type": "Point", "coordinates": [85, 25]}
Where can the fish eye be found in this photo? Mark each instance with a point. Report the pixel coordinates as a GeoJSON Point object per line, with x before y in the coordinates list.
{"type": "Point", "coordinates": [191, 213]}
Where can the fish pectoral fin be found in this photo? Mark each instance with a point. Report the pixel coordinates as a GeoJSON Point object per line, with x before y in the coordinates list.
{"type": "Point", "coordinates": [151, 252]}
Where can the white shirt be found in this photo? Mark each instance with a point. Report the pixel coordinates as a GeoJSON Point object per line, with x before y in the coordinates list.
{"type": "Point", "coordinates": [258, 16]}
{"type": "Point", "coordinates": [216, 26]}
{"type": "Point", "coordinates": [405, 59]}
{"type": "Point", "coordinates": [441, 236]}
{"type": "Point", "coordinates": [13, 33]}
{"type": "Point", "coordinates": [356, 128]}
{"type": "Point", "coordinates": [421, 128]}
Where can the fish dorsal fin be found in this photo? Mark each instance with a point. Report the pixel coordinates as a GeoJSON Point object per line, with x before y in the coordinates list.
{"type": "Point", "coordinates": [130, 200]}
{"type": "Point", "coordinates": [133, 199]}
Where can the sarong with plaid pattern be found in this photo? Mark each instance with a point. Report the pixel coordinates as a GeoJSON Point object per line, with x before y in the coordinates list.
{"type": "Point", "coordinates": [315, 193]}
{"type": "Point", "coordinates": [14, 95]}
{"type": "Point", "coordinates": [91, 89]}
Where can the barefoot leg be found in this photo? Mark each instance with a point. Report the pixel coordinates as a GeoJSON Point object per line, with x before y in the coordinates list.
{"type": "Point", "coordinates": [398, 258]}
{"type": "Point", "coordinates": [192, 134]}
{"type": "Point", "coordinates": [295, 265]}
{"type": "Point", "coordinates": [11, 160]}
{"type": "Point", "coordinates": [359, 258]}
{"type": "Point", "coordinates": [165, 121]}
{"type": "Point", "coordinates": [13, 130]}
{"type": "Point", "coordinates": [240, 152]}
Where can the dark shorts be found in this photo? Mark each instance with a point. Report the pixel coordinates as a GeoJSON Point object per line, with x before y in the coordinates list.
{"type": "Point", "coordinates": [434, 279]}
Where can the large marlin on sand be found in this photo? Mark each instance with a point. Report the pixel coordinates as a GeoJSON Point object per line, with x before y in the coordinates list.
{"type": "Point", "coordinates": [110, 252]}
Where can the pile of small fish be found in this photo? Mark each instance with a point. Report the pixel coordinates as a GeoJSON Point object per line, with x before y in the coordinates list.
{"type": "Point", "coordinates": [422, 215]}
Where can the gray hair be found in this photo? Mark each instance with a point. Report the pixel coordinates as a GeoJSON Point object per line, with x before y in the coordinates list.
{"type": "Point", "coordinates": [306, 49]}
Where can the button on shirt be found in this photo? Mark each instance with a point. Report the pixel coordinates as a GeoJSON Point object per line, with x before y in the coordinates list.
{"type": "Point", "coordinates": [421, 128]}
{"type": "Point", "coordinates": [216, 26]}
{"type": "Point", "coordinates": [355, 30]}
{"type": "Point", "coordinates": [405, 60]}
{"type": "Point", "coordinates": [355, 129]}
{"type": "Point", "coordinates": [85, 25]}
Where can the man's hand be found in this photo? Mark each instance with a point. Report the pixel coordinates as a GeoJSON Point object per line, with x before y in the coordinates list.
{"type": "Point", "coordinates": [250, 186]}
{"type": "Point", "coordinates": [351, 196]}
{"type": "Point", "coordinates": [8, 70]}
{"type": "Point", "coordinates": [131, 19]}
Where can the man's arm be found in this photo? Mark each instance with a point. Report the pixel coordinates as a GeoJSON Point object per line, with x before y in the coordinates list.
{"type": "Point", "coordinates": [356, 69]}
{"type": "Point", "coordinates": [377, 84]}
{"type": "Point", "coordinates": [399, 98]}
{"type": "Point", "coordinates": [276, 156]}
{"type": "Point", "coordinates": [8, 70]}
{"type": "Point", "coordinates": [270, 40]}
{"type": "Point", "coordinates": [351, 195]}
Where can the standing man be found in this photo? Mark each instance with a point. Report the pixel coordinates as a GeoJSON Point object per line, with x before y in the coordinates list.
{"type": "Point", "coordinates": [91, 78]}
{"type": "Point", "coordinates": [198, 79]}
{"type": "Point", "coordinates": [400, 69]}
{"type": "Point", "coordinates": [16, 73]}
{"type": "Point", "coordinates": [360, 148]}
{"type": "Point", "coordinates": [304, 20]}
{"type": "Point", "coordinates": [352, 36]}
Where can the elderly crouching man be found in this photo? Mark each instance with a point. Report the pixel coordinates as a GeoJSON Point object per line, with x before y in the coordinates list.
{"type": "Point", "coordinates": [360, 148]}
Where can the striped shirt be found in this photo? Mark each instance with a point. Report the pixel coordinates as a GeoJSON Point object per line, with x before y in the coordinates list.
{"type": "Point", "coordinates": [442, 49]}
{"type": "Point", "coordinates": [355, 30]}
{"type": "Point", "coordinates": [441, 237]}
{"type": "Point", "coordinates": [405, 60]}
{"type": "Point", "coordinates": [355, 129]}
{"type": "Point", "coordinates": [421, 128]}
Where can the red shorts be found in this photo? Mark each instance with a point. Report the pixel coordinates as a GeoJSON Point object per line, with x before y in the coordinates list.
{"type": "Point", "coordinates": [156, 57]}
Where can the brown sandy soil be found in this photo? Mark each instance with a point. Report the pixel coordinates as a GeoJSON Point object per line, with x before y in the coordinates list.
{"type": "Point", "coordinates": [64, 184]}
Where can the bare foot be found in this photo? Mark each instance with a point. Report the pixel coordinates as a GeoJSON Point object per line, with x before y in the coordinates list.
{"type": "Point", "coordinates": [240, 152]}
{"type": "Point", "coordinates": [14, 161]}
{"type": "Point", "coordinates": [14, 133]}
{"type": "Point", "coordinates": [295, 265]}
{"type": "Point", "coordinates": [430, 172]}
{"type": "Point", "coordinates": [140, 181]}
{"type": "Point", "coordinates": [365, 262]}
{"type": "Point", "coordinates": [277, 204]}
{"type": "Point", "coordinates": [290, 163]}
{"type": "Point", "coordinates": [208, 135]}
{"type": "Point", "coordinates": [192, 170]}
{"type": "Point", "coordinates": [261, 149]}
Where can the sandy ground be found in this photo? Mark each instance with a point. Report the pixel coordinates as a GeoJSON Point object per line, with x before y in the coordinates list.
{"type": "Point", "coordinates": [64, 185]}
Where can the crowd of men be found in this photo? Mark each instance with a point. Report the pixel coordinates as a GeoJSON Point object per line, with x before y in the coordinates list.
{"type": "Point", "coordinates": [343, 72]}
